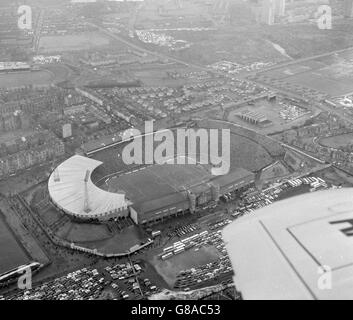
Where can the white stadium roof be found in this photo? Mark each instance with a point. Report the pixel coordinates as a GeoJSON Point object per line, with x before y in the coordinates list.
{"type": "Point", "coordinates": [67, 190]}
{"type": "Point", "coordinates": [280, 251]}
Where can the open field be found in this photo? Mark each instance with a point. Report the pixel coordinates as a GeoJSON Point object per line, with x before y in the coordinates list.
{"type": "Point", "coordinates": [61, 72]}
{"type": "Point", "coordinates": [321, 82]}
{"type": "Point", "coordinates": [337, 141]}
{"type": "Point", "coordinates": [83, 41]}
{"type": "Point", "coordinates": [157, 74]}
{"type": "Point", "coordinates": [12, 254]}
{"type": "Point", "coordinates": [332, 74]}
{"type": "Point", "coordinates": [20, 79]}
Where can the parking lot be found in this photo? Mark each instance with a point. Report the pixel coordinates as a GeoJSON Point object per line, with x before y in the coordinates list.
{"type": "Point", "coordinates": [184, 230]}
{"type": "Point", "coordinates": [124, 281]}
{"type": "Point", "coordinates": [254, 200]}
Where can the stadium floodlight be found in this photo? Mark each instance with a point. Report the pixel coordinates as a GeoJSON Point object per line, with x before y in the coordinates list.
{"type": "Point", "coordinates": [56, 175]}
{"type": "Point", "coordinates": [87, 208]}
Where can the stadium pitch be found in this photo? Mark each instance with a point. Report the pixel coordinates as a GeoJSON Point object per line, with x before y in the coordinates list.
{"type": "Point", "coordinates": [156, 181]}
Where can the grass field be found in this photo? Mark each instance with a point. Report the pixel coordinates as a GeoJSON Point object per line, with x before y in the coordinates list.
{"type": "Point", "coordinates": [156, 181]}
{"type": "Point", "coordinates": [60, 71]}
{"type": "Point", "coordinates": [20, 79]}
{"type": "Point", "coordinates": [83, 41]}
{"type": "Point", "coordinates": [12, 254]}
{"type": "Point", "coordinates": [337, 141]}
{"type": "Point", "coordinates": [332, 74]}
{"type": "Point", "coordinates": [321, 82]}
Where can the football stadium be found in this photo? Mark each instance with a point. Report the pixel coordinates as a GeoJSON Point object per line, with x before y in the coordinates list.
{"type": "Point", "coordinates": [72, 190]}
{"type": "Point", "coordinates": [104, 188]}
{"type": "Point", "coordinates": [148, 194]}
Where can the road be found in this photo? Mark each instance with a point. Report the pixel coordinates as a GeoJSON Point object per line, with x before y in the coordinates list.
{"type": "Point", "coordinates": [293, 62]}
{"type": "Point", "coordinates": [37, 31]}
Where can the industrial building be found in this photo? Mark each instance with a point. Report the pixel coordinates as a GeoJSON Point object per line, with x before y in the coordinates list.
{"type": "Point", "coordinates": [254, 118]}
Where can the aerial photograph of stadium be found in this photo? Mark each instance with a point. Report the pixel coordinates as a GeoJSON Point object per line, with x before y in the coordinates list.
{"type": "Point", "coordinates": [181, 150]}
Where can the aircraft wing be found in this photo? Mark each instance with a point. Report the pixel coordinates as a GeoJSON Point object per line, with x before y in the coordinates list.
{"type": "Point", "coordinates": [299, 248]}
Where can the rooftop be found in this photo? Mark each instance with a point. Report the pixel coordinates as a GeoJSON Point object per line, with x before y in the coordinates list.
{"type": "Point", "coordinates": [67, 189]}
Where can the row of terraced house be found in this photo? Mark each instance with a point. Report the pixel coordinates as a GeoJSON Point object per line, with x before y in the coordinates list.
{"type": "Point", "coordinates": [50, 149]}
